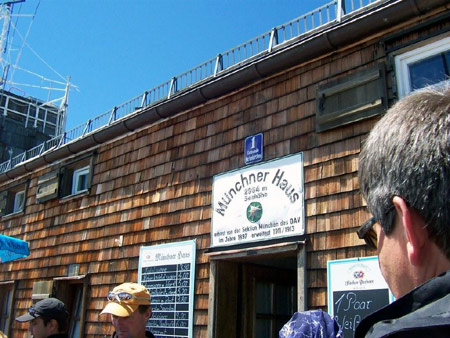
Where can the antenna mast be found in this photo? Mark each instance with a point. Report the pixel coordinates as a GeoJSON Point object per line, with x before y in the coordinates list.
{"type": "Point", "coordinates": [5, 14]}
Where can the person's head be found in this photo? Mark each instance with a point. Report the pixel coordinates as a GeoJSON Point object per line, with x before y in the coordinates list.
{"type": "Point", "coordinates": [404, 175]}
{"type": "Point", "coordinates": [46, 317]}
{"type": "Point", "coordinates": [130, 309]}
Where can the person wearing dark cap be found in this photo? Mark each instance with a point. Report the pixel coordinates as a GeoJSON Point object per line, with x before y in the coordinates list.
{"type": "Point", "coordinates": [130, 309]}
{"type": "Point", "coordinates": [47, 319]}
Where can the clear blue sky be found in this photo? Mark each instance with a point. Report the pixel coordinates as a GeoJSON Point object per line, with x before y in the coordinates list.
{"type": "Point", "coordinates": [115, 50]}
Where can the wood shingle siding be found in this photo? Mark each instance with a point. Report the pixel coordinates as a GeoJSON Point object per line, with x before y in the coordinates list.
{"type": "Point", "coordinates": [154, 185]}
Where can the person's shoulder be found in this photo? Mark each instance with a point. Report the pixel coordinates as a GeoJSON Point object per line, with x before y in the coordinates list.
{"type": "Point", "coordinates": [431, 320]}
{"type": "Point", "coordinates": [148, 334]}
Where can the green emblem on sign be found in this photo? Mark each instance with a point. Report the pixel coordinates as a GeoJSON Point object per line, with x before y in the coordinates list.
{"type": "Point", "coordinates": [254, 212]}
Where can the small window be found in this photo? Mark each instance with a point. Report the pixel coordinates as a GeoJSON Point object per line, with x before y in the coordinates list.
{"type": "Point", "coordinates": [19, 201]}
{"type": "Point", "coordinates": [12, 200]}
{"type": "Point", "coordinates": [423, 66]}
{"type": "Point", "coordinates": [80, 180]}
{"type": "Point", "coordinates": [75, 177]}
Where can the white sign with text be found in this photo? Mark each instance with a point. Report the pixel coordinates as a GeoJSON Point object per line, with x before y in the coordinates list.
{"type": "Point", "coordinates": [259, 202]}
{"type": "Point", "coordinates": [168, 272]}
{"type": "Point", "coordinates": [356, 289]}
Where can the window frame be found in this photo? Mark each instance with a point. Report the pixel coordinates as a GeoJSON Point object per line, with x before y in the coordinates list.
{"type": "Point", "coordinates": [77, 175]}
{"type": "Point", "coordinates": [16, 206]}
{"type": "Point", "coordinates": [412, 55]}
{"type": "Point", "coordinates": [70, 172]}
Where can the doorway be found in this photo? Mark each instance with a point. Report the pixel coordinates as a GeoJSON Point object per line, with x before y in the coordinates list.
{"type": "Point", "coordinates": [254, 297]}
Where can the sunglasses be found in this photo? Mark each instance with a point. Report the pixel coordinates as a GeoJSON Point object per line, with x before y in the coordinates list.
{"type": "Point", "coordinates": [122, 296]}
{"type": "Point", "coordinates": [367, 233]}
{"type": "Point", "coordinates": [32, 311]}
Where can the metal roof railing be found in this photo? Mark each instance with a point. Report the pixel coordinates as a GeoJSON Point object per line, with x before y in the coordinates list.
{"type": "Point", "coordinates": [332, 11]}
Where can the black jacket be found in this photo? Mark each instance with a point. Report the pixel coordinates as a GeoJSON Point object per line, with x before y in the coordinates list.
{"type": "Point", "coordinates": [423, 312]}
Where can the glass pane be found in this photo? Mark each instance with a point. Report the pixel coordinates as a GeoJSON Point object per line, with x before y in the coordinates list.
{"type": "Point", "coordinates": [263, 298]}
{"type": "Point", "coordinates": [30, 122]}
{"type": "Point", "coordinates": [76, 313]}
{"type": "Point", "coordinates": [19, 200]}
{"type": "Point", "coordinates": [51, 117]}
{"type": "Point", "coordinates": [76, 330]}
{"type": "Point", "coordinates": [279, 323]}
{"type": "Point", "coordinates": [77, 307]}
{"type": "Point", "coordinates": [80, 180]}
{"type": "Point", "coordinates": [263, 328]}
{"type": "Point", "coordinates": [41, 114]}
{"type": "Point", "coordinates": [40, 126]}
{"type": "Point", "coordinates": [428, 71]}
{"type": "Point", "coordinates": [284, 299]}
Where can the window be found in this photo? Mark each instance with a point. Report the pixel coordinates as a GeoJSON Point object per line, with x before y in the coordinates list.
{"type": "Point", "coordinates": [80, 180]}
{"type": "Point", "coordinates": [6, 302]}
{"type": "Point", "coordinates": [71, 179]}
{"type": "Point", "coordinates": [19, 201]}
{"type": "Point", "coordinates": [12, 200]}
{"type": "Point", "coordinates": [422, 66]}
{"type": "Point", "coordinates": [74, 178]}
{"type": "Point", "coordinates": [274, 306]}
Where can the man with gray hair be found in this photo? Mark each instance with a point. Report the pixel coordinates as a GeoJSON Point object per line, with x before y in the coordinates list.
{"type": "Point", "coordinates": [404, 175]}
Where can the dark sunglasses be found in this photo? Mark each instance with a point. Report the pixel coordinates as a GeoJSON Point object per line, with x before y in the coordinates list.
{"type": "Point", "coordinates": [32, 311]}
{"type": "Point", "coordinates": [367, 233]}
{"type": "Point", "coordinates": [122, 296]}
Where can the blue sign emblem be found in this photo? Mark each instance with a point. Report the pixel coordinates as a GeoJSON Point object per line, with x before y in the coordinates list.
{"type": "Point", "coordinates": [253, 149]}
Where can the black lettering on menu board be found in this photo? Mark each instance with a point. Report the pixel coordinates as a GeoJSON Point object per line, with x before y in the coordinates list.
{"type": "Point", "coordinates": [169, 286]}
{"type": "Point", "coordinates": [350, 307]}
{"type": "Point", "coordinates": [168, 271]}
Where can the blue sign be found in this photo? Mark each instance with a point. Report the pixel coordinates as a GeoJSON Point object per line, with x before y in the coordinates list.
{"type": "Point", "coordinates": [253, 149]}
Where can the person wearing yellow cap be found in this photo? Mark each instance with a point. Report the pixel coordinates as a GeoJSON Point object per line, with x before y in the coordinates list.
{"type": "Point", "coordinates": [130, 309]}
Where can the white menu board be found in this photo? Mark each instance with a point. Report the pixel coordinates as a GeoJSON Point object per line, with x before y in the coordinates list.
{"type": "Point", "coordinates": [168, 272]}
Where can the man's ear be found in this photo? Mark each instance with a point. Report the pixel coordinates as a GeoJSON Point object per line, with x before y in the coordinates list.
{"type": "Point", "coordinates": [149, 313]}
{"type": "Point", "coordinates": [415, 231]}
{"type": "Point", "coordinates": [53, 325]}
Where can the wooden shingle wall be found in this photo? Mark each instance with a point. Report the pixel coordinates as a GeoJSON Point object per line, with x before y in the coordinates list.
{"type": "Point", "coordinates": [154, 186]}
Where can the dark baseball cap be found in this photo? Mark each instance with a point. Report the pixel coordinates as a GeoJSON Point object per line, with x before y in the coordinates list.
{"type": "Point", "coordinates": [49, 308]}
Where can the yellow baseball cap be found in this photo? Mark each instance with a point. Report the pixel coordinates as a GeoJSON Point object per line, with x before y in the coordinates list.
{"type": "Point", "coordinates": [124, 299]}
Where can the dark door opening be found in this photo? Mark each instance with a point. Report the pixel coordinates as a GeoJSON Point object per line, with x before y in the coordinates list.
{"type": "Point", "coordinates": [255, 297]}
